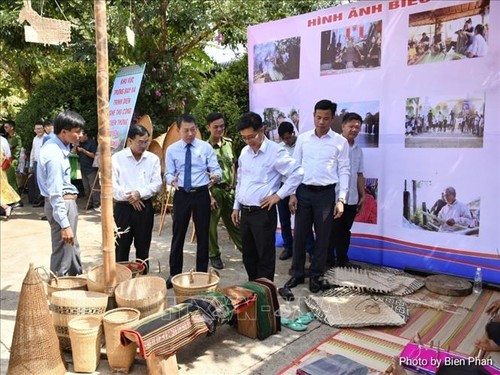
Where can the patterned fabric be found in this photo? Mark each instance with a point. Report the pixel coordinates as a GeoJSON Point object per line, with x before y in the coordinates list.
{"type": "Point", "coordinates": [274, 299]}
{"type": "Point", "coordinates": [166, 332]}
{"type": "Point", "coordinates": [265, 318]}
{"type": "Point", "coordinates": [240, 297]}
{"type": "Point", "coordinates": [215, 307]}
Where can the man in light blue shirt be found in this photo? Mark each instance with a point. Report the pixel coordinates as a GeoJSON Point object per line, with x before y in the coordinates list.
{"type": "Point", "coordinates": [191, 167]}
{"type": "Point", "coordinates": [54, 181]}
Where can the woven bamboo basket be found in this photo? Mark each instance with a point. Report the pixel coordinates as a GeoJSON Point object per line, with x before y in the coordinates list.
{"type": "Point", "coordinates": [69, 304]}
{"type": "Point", "coordinates": [191, 283]}
{"type": "Point", "coordinates": [137, 267]}
{"type": "Point", "coordinates": [95, 277]}
{"type": "Point", "coordinates": [56, 284]}
{"type": "Point", "coordinates": [148, 294]}
{"type": "Point", "coordinates": [120, 357]}
{"type": "Point", "coordinates": [86, 340]}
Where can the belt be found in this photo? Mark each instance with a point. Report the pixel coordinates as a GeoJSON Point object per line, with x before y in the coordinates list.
{"type": "Point", "coordinates": [194, 189]}
{"type": "Point", "coordinates": [318, 188]}
{"type": "Point", "coordinates": [250, 208]}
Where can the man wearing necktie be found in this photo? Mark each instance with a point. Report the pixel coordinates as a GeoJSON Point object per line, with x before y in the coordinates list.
{"type": "Point", "coordinates": [191, 168]}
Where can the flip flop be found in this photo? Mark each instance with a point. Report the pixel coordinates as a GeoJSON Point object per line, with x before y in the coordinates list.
{"type": "Point", "coordinates": [305, 318]}
{"type": "Point", "coordinates": [293, 325]}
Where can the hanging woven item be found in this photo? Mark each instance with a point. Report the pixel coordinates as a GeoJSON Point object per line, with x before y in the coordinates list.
{"type": "Point", "coordinates": [42, 29]}
{"type": "Point", "coordinates": [35, 347]}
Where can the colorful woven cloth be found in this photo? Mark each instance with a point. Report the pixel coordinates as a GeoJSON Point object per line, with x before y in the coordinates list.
{"type": "Point", "coordinates": [215, 307]}
{"type": "Point", "coordinates": [166, 332]}
{"type": "Point", "coordinates": [265, 313]}
{"type": "Point", "coordinates": [240, 297]}
{"type": "Point", "coordinates": [273, 292]}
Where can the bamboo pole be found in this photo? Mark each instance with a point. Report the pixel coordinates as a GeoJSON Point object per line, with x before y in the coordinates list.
{"type": "Point", "coordinates": [107, 221]}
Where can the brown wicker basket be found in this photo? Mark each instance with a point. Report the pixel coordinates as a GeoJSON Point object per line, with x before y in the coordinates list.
{"type": "Point", "coordinates": [137, 267]}
{"type": "Point", "coordinates": [69, 304]}
{"type": "Point", "coordinates": [148, 294]}
{"type": "Point", "coordinates": [56, 284]}
{"type": "Point", "coordinates": [191, 283]}
{"type": "Point", "coordinates": [95, 277]}
{"type": "Point", "coordinates": [86, 341]}
{"type": "Point", "coordinates": [120, 357]}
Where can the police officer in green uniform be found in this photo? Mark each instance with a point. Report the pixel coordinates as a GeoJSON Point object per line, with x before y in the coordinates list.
{"type": "Point", "coordinates": [222, 194]}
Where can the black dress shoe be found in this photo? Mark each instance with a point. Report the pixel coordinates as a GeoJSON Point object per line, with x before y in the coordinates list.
{"type": "Point", "coordinates": [285, 254]}
{"type": "Point", "coordinates": [169, 283]}
{"type": "Point", "coordinates": [317, 284]}
{"type": "Point", "coordinates": [217, 263]}
{"type": "Point", "coordinates": [286, 294]}
{"type": "Point", "coordinates": [293, 282]}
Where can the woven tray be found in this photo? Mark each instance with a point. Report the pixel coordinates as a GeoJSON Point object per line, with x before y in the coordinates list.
{"type": "Point", "coordinates": [344, 307]}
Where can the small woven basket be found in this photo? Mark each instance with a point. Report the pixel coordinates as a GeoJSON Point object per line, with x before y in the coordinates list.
{"type": "Point", "coordinates": [86, 340]}
{"type": "Point", "coordinates": [191, 283]}
{"type": "Point", "coordinates": [70, 304]}
{"type": "Point", "coordinates": [148, 294]}
{"type": "Point", "coordinates": [120, 357]}
{"type": "Point", "coordinates": [56, 284]}
{"type": "Point", "coordinates": [95, 277]}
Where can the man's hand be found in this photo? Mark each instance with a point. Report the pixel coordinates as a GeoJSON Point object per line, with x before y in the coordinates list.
{"type": "Point", "coordinates": [213, 203]}
{"type": "Point", "coordinates": [68, 236]}
{"type": "Point", "coordinates": [292, 204]}
{"type": "Point", "coordinates": [213, 179]}
{"type": "Point", "coordinates": [270, 201]}
{"type": "Point", "coordinates": [493, 308]}
{"type": "Point", "coordinates": [235, 217]}
{"type": "Point", "coordinates": [134, 198]}
{"type": "Point", "coordinates": [338, 210]}
{"type": "Point", "coordinates": [175, 181]}
{"type": "Point", "coordinates": [360, 204]}
{"type": "Point", "coordinates": [450, 222]}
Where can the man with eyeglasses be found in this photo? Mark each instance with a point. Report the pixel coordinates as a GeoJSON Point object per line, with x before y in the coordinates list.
{"type": "Point", "coordinates": [324, 156]}
{"type": "Point", "coordinates": [261, 167]}
{"type": "Point", "coordinates": [222, 193]}
{"type": "Point", "coordinates": [191, 168]}
{"type": "Point", "coordinates": [136, 180]}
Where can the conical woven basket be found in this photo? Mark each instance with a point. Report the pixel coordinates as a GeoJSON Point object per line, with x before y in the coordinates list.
{"type": "Point", "coordinates": [120, 357]}
{"type": "Point", "coordinates": [35, 348]}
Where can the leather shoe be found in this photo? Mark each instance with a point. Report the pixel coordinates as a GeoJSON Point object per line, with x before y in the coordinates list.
{"type": "Point", "coordinates": [318, 283]}
{"type": "Point", "coordinates": [285, 254]}
{"type": "Point", "coordinates": [286, 294]}
{"type": "Point", "coordinates": [293, 282]}
{"type": "Point", "coordinates": [217, 263]}
{"type": "Point", "coordinates": [169, 283]}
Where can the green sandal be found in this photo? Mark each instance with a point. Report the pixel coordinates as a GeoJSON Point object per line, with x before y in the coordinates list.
{"type": "Point", "coordinates": [305, 318]}
{"type": "Point", "coordinates": [294, 325]}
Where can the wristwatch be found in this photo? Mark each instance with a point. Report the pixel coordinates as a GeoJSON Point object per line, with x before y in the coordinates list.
{"type": "Point", "coordinates": [341, 200]}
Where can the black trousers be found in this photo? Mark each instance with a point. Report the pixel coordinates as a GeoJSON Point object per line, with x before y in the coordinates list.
{"type": "Point", "coordinates": [197, 204]}
{"type": "Point", "coordinates": [258, 235]}
{"type": "Point", "coordinates": [313, 208]}
{"type": "Point", "coordinates": [140, 232]}
{"type": "Point", "coordinates": [341, 235]}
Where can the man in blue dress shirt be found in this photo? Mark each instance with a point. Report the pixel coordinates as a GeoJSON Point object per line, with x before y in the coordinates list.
{"type": "Point", "coordinates": [191, 168]}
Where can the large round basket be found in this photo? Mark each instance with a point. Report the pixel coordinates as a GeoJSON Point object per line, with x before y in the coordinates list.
{"type": "Point", "coordinates": [58, 284]}
{"type": "Point", "coordinates": [95, 277]}
{"type": "Point", "coordinates": [120, 357]}
{"type": "Point", "coordinates": [86, 340]}
{"type": "Point", "coordinates": [148, 294]}
{"type": "Point", "coordinates": [191, 283]}
{"type": "Point", "coordinates": [69, 304]}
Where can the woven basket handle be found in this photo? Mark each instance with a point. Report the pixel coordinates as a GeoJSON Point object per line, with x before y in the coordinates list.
{"type": "Point", "coordinates": [211, 273]}
{"type": "Point", "coordinates": [191, 276]}
{"type": "Point", "coordinates": [148, 259]}
{"type": "Point", "coordinates": [48, 273]}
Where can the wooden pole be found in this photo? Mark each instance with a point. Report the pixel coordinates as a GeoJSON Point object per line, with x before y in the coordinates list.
{"type": "Point", "coordinates": [107, 221]}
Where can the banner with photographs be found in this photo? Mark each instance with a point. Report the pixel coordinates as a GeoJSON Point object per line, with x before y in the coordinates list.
{"type": "Point", "coordinates": [424, 76]}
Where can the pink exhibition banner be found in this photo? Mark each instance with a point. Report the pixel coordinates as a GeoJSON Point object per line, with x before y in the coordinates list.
{"type": "Point", "coordinates": [122, 103]}
{"type": "Point", "coordinates": [424, 76]}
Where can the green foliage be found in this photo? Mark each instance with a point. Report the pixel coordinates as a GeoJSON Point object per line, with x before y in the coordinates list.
{"type": "Point", "coordinates": [227, 93]}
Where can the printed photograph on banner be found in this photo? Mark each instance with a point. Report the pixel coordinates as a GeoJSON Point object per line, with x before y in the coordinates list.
{"type": "Point", "coordinates": [438, 206]}
{"type": "Point", "coordinates": [453, 33]}
{"type": "Point", "coordinates": [368, 212]}
{"type": "Point", "coordinates": [450, 121]}
{"type": "Point", "coordinates": [351, 49]}
{"type": "Point", "coordinates": [369, 111]}
{"type": "Point", "coordinates": [278, 60]}
{"type": "Point", "coordinates": [273, 117]}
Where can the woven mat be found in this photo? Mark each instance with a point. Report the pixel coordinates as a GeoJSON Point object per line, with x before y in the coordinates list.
{"type": "Point", "coordinates": [371, 348]}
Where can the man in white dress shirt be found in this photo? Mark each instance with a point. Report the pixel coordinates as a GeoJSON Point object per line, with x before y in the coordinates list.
{"type": "Point", "coordinates": [324, 155]}
{"type": "Point", "coordinates": [136, 180]}
{"type": "Point", "coordinates": [36, 145]}
{"type": "Point", "coordinates": [261, 167]}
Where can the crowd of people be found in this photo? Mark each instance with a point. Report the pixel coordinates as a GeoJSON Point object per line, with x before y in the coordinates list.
{"type": "Point", "coordinates": [435, 121]}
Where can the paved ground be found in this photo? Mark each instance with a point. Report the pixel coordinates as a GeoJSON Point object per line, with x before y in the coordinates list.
{"type": "Point", "coordinates": [26, 239]}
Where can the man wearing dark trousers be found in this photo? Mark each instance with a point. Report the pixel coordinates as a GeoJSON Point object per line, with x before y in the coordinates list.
{"type": "Point", "coordinates": [191, 168]}
{"type": "Point", "coordinates": [324, 155]}
{"type": "Point", "coordinates": [136, 180]}
{"type": "Point", "coordinates": [341, 231]}
{"type": "Point", "coordinates": [261, 167]}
